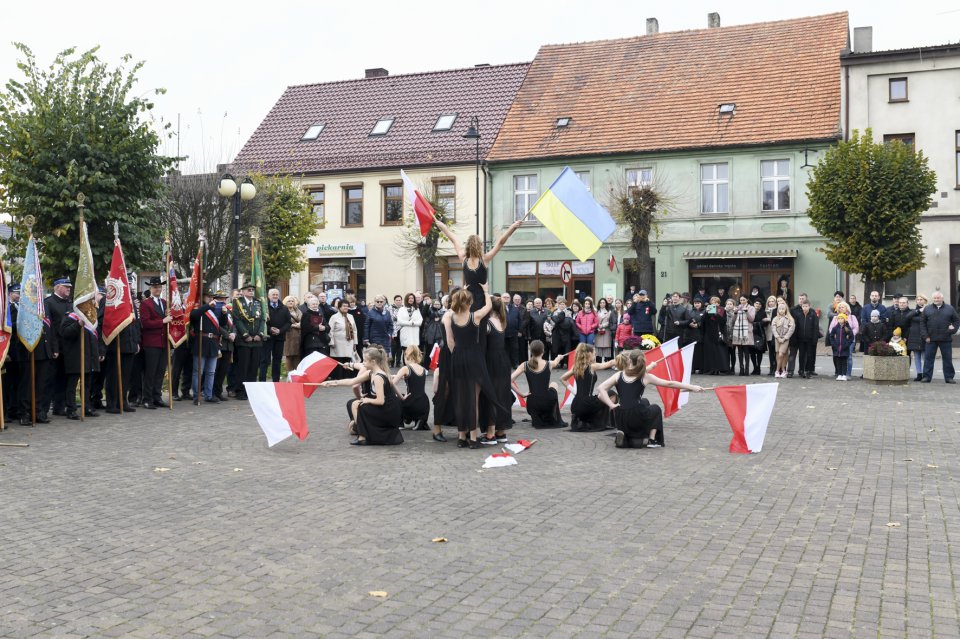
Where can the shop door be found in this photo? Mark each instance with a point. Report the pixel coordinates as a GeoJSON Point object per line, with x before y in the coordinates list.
{"type": "Point", "coordinates": [582, 288]}
{"type": "Point", "coordinates": [763, 281]}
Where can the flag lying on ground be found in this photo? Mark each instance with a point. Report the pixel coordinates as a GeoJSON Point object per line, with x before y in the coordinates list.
{"type": "Point", "coordinates": [313, 369]}
{"type": "Point", "coordinates": [85, 286]}
{"type": "Point", "coordinates": [569, 211]}
{"type": "Point", "coordinates": [6, 327]}
{"type": "Point", "coordinates": [279, 409]}
{"type": "Point", "coordinates": [118, 306]}
{"type": "Point", "coordinates": [422, 210]}
{"type": "Point", "coordinates": [498, 460]}
{"type": "Point", "coordinates": [748, 409]}
{"type": "Point", "coordinates": [32, 316]}
{"type": "Point", "coordinates": [520, 446]}
{"type": "Point", "coordinates": [435, 357]}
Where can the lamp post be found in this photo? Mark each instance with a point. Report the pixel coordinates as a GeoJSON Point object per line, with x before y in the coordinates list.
{"type": "Point", "coordinates": [473, 133]}
{"type": "Point", "coordinates": [244, 192]}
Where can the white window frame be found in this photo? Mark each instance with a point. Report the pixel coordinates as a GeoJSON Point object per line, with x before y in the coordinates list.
{"type": "Point", "coordinates": [530, 195]}
{"type": "Point", "coordinates": [645, 173]}
{"type": "Point", "coordinates": [715, 183]}
{"type": "Point", "coordinates": [453, 120]}
{"type": "Point", "coordinates": [585, 177]}
{"type": "Point", "coordinates": [777, 179]}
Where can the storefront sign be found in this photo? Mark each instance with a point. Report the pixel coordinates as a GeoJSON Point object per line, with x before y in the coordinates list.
{"type": "Point", "coordinates": [553, 268]}
{"type": "Point", "coordinates": [521, 268]}
{"type": "Point", "coordinates": [337, 249]}
{"type": "Point", "coordinates": [609, 289]}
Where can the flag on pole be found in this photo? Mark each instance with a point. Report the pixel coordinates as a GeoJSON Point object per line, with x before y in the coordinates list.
{"type": "Point", "coordinates": [422, 209]}
{"type": "Point", "coordinates": [612, 263]}
{"type": "Point", "coordinates": [279, 410]}
{"type": "Point", "coordinates": [194, 295]}
{"type": "Point", "coordinates": [314, 368]}
{"type": "Point", "coordinates": [569, 211]}
{"type": "Point", "coordinates": [85, 286]}
{"type": "Point", "coordinates": [177, 327]}
{"type": "Point", "coordinates": [118, 307]}
{"type": "Point", "coordinates": [435, 357]}
{"type": "Point", "coordinates": [259, 280]}
{"type": "Point", "coordinates": [32, 314]}
{"type": "Point", "coordinates": [748, 409]}
{"type": "Point", "coordinates": [6, 327]}
{"type": "Point", "coordinates": [686, 354]}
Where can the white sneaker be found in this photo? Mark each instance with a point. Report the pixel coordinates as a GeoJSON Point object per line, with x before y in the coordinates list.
{"type": "Point", "coordinates": [845, 378]}
{"type": "Point", "coordinates": [839, 378]}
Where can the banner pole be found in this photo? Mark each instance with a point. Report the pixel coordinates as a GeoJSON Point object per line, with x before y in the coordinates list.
{"type": "Point", "coordinates": [166, 265]}
{"type": "Point", "coordinates": [83, 377]}
{"type": "Point", "coordinates": [199, 301]}
{"type": "Point", "coordinates": [3, 425]}
{"type": "Point", "coordinates": [123, 400]}
{"type": "Point", "coordinates": [33, 391]}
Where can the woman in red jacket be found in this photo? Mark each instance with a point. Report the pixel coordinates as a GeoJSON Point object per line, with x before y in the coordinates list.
{"type": "Point", "coordinates": [587, 322]}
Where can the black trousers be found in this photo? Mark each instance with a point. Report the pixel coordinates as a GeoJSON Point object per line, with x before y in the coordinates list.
{"type": "Point", "coordinates": [792, 357]}
{"type": "Point", "coordinates": [154, 367]}
{"type": "Point", "coordinates": [95, 390]}
{"type": "Point", "coordinates": [183, 365]}
{"type": "Point", "coordinates": [110, 378]}
{"type": "Point", "coordinates": [135, 391]}
{"type": "Point", "coordinates": [772, 354]}
{"type": "Point", "coordinates": [73, 381]}
{"type": "Point", "coordinates": [248, 359]}
{"type": "Point", "coordinates": [11, 384]}
{"type": "Point", "coordinates": [224, 364]}
{"type": "Point", "coordinates": [56, 384]}
{"type": "Point", "coordinates": [271, 354]}
{"type": "Point", "coordinates": [522, 349]}
{"type": "Point", "coordinates": [513, 350]}
{"type": "Point", "coordinates": [807, 351]}
{"type": "Point", "coordinates": [40, 374]}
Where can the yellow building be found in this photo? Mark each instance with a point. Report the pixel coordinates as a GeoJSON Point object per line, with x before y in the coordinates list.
{"type": "Point", "coordinates": [345, 142]}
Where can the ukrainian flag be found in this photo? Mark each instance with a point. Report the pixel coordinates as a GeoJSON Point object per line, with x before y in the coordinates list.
{"type": "Point", "coordinates": [569, 211]}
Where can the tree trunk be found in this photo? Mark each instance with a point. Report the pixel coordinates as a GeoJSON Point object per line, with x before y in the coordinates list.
{"type": "Point", "coordinates": [870, 286]}
{"type": "Point", "coordinates": [429, 268]}
{"type": "Point", "coordinates": [641, 245]}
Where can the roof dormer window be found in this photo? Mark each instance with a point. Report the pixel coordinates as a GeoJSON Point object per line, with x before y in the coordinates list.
{"type": "Point", "coordinates": [563, 122]}
{"type": "Point", "coordinates": [313, 132]}
{"type": "Point", "coordinates": [445, 122]}
{"type": "Point", "coordinates": [382, 126]}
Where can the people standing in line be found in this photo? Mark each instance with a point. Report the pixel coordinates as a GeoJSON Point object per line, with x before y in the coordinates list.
{"type": "Point", "coordinates": [343, 338]}
{"type": "Point", "coordinates": [574, 311]}
{"type": "Point", "coordinates": [522, 341]}
{"type": "Point", "coordinates": [249, 322]}
{"type": "Point", "coordinates": [716, 357]}
{"type": "Point", "coordinates": [807, 333]}
{"type": "Point", "coordinates": [728, 309]}
{"type": "Point", "coordinates": [206, 324]}
{"type": "Point", "coordinates": [742, 333]}
{"type": "Point", "coordinates": [512, 328]}
{"type": "Point", "coordinates": [843, 307]}
{"type": "Point", "coordinates": [873, 305]}
{"type": "Point", "coordinates": [759, 346]}
{"type": "Point", "coordinates": [58, 304]}
{"type": "Point", "coordinates": [291, 344]}
{"type": "Point", "coordinates": [604, 339]}
{"type": "Point", "coordinates": [154, 322]}
{"type": "Point", "coordinates": [901, 316]}
{"type": "Point", "coordinates": [662, 318]}
{"type": "Point", "coordinates": [841, 336]}
{"type": "Point", "coordinates": [228, 336]}
{"type": "Point", "coordinates": [916, 337]}
{"type": "Point", "coordinates": [783, 327]}
{"type": "Point", "coordinates": [697, 334]}
{"type": "Point", "coordinates": [359, 314]}
{"type": "Point", "coordinates": [796, 311]}
{"type": "Point", "coordinates": [379, 325]}
{"type": "Point", "coordinates": [396, 352]}
{"type": "Point", "coordinates": [587, 323]}
{"type": "Point", "coordinates": [542, 396]}
{"type": "Point", "coordinates": [71, 346]}
{"type": "Point", "coordinates": [588, 413]}
{"type": "Point", "coordinates": [408, 322]}
{"type": "Point", "coordinates": [562, 329]}
{"type": "Point", "coordinates": [940, 322]}
{"type": "Point", "coordinates": [677, 320]}
{"type": "Point", "coordinates": [536, 318]}
{"type": "Point", "coordinates": [314, 330]}
{"type": "Point", "coordinates": [278, 324]}
{"type": "Point", "coordinates": [624, 332]}
{"type": "Point", "coordinates": [856, 308]}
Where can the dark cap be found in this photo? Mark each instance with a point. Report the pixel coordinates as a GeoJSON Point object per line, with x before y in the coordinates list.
{"type": "Point", "coordinates": [221, 294]}
{"type": "Point", "coordinates": [14, 288]}
{"type": "Point", "coordinates": [63, 281]}
{"type": "Point", "coordinates": [246, 286]}
{"type": "Point", "coordinates": [155, 281]}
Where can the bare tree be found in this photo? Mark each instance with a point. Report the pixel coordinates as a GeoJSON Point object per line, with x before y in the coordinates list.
{"type": "Point", "coordinates": [639, 208]}
{"type": "Point", "coordinates": [423, 250]}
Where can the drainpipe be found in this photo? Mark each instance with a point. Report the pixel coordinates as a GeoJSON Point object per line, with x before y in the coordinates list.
{"type": "Point", "coordinates": [487, 218]}
{"type": "Point", "coordinates": [846, 136]}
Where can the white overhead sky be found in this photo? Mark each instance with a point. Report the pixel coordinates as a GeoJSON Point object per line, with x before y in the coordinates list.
{"type": "Point", "coordinates": [224, 65]}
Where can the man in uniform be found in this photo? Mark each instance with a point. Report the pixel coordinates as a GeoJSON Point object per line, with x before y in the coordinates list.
{"type": "Point", "coordinates": [70, 332]}
{"type": "Point", "coordinates": [58, 304]}
{"type": "Point", "coordinates": [153, 323]}
{"type": "Point", "coordinates": [128, 341]}
{"type": "Point", "coordinates": [95, 388]}
{"type": "Point", "coordinates": [205, 323]}
{"type": "Point", "coordinates": [249, 322]}
{"type": "Point", "coordinates": [227, 336]}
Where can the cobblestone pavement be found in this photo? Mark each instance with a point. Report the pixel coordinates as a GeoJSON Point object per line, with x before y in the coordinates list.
{"type": "Point", "coordinates": [185, 524]}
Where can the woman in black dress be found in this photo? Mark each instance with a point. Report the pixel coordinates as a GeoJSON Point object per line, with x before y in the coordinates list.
{"type": "Point", "coordinates": [638, 422]}
{"type": "Point", "coordinates": [588, 413]}
{"type": "Point", "coordinates": [543, 404]}
{"type": "Point", "coordinates": [468, 368]}
{"type": "Point", "coordinates": [716, 359]}
{"type": "Point", "coordinates": [415, 405]}
{"type": "Point", "coordinates": [562, 334]}
{"type": "Point", "coordinates": [377, 415]}
{"type": "Point", "coordinates": [497, 418]}
{"type": "Point", "coordinates": [696, 334]}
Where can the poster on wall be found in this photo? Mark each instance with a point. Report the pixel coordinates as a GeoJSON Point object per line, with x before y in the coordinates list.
{"type": "Point", "coordinates": [609, 289]}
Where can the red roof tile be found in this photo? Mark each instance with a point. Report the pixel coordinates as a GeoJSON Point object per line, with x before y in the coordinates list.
{"type": "Point", "coordinates": [662, 91]}
{"type": "Point", "coordinates": [351, 108]}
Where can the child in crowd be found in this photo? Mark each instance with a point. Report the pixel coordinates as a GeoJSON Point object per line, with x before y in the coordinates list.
{"type": "Point", "coordinates": [841, 335]}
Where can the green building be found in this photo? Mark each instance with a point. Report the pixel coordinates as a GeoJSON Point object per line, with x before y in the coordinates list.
{"type": "Point", "coordinates": [725, 122]}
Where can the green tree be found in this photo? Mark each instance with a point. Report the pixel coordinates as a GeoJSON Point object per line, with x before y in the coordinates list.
{"type": "Point", "coordinates": [73, 127]}
{"type": "Point", "coordinates": [866, 199]}
{"type": "Point", "coordinates": [283, 212]}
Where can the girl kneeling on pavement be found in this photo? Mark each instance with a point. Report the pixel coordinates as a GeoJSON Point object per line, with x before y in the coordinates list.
{"type": "Point", "coordinates": [639, 423]}
{"type": "Point", "coordinates": [376, 416]}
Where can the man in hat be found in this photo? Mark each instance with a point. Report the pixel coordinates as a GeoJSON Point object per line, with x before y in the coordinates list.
{"type": "Point", "coordinates": [205, 322]}
{"type": "Point", "coordinates": [11, 374]}
{"type": "Point", "coordinates": [249, 322]}
{"type": "Point", "coordinates": [227, 336]}
{"type": "Point", "coordinates": [128, 341]}
{"type": "Point", "coordinates": [57, 304]}
{"type": "Point", "coordinates": [153, 323]}
{"type": "Point", "coordinates": [642, 314]}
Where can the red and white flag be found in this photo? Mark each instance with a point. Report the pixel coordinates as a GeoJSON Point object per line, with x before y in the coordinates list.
{"type": "Point", "coordinates": [118, 306]}
{"type": "Point", "coordinates": [568, 394]}
{"type": "Point", "coordinates": [686, 353]}
{"type": "Point", "coordinates": [748, 409]}
{"type": "Point", "coordinates": [520, 446]}
{"type": "Point", "coordinates": [421, 208]}
{"type": "Point", "coordinates": [435, 357]}
{"type": "Point", "coordinates": [676, 367]}
{"type": "Point", "coordinates": [519, 400]}
{"type": "Point", "coordinates": [499, 460]}
{"type": "Point", "coordinates": [313, 369]}
{"type": "Point", "coordinates": [279, 409]}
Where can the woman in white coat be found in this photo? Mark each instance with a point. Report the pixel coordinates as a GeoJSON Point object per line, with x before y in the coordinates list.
{"type": "Point", "coordinates": [409, 320]}
{"type": "Point", "coordinates": [343, 338]}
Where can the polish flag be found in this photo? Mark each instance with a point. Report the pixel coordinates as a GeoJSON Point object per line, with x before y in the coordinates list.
{"type": "Point", "coordinates": [568, 394]}
{"type": "Point", "coordinates": [499, 460]}
{"type": "Point", "coordinates": [676, 367]}
{"type": "Point", "coordinates": [421, 208]}
{"type": "Point", "coordinates": [313, 369]}
{"type": "Point", "coordinates": [686, 354]}
{"type": "Point", "coordinates": [748, 409]}
{"type": "Point", "coordinates": [519, 400]}
{"type": "Point", "coordinates": [520, 446]}
{"type": "Point", "coordinates": [435, 357]}
{"type": "Point", "coordinates": [279, 409]}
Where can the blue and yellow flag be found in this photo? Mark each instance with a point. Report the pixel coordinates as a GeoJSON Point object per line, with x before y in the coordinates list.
{"type": "Point", "coordinates": [31, 316]}
{"type": "Point", "coordinates": [569, 211]}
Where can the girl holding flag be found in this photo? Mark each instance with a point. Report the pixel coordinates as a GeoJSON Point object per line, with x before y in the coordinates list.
{"type": "Point", "coordinates": [377, 415]}
{"type": "Point", "coordinates": [635, 418]}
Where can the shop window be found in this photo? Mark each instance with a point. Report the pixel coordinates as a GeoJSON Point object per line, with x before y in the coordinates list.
{"type": "Point", "coordinates": [714, 188]}
{"type": "Point", "coordinates": [775, 185]}
{"type": "Point", "coordinates": [392, 204]}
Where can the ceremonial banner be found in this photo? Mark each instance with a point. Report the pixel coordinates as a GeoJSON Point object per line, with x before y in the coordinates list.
{"type": "Point", "coordinates": [748, 409]}
{"type": "Point", "coordinates": [258, 279]}
{"type": "Point", "coordinates": [177, 327]}
{"type": "Point", "coordinates": [194, 295]}
{"type": "Point", "coordinates": [118, 307]}
{"type": "Point", "coordinates": [85, 286]}
{"type": "Point", "coordinates": [6, 328]}
{"type": "Point", "coordinates": [31, 316]}
{"type": "Point", "coordinates": [422, 209]}
{"type": "Point", "coordinates": [279, 410]}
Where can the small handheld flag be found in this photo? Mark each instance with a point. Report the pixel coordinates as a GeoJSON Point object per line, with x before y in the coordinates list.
{"type": "Point", "coordinates": [569, 211]}
{"type": "Point", "coordinates": [313, 369]}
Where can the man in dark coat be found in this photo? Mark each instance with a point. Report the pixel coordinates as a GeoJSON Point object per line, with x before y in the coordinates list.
{"type": "Point", "coordinates": [278, 323]}
{"type": "Point", "coordinates": [794, 348]}
{"type": "Point", "coordinates": [205, 323]}
{"type": "Point", "coordinates": [153, 324]}
{"type": "Point", "coordinates": [58, 305]}
{"type": "Point", "coordinates": [642, 313]}
{"type": "Point", "coordinates": [678, 320]}
{"type": "Point", "coordinates": [535, 320]}
{"type": "Point", "coordinates": [71, 347]}
{"type": "Point", "coordinates": [128, 341]}
{"type": "Point", "coordinates": [512, 329]}
{"type": "Point", "coordinates": [901, 316]}
{"type": "Point", "coordinates": [95, 387]}
{"type": "Point", "coordinates": [941, 321]}
{"type": "Point", "coordinates": [249, 322]}
{"type": "Point", "coordinates": [807, 332]}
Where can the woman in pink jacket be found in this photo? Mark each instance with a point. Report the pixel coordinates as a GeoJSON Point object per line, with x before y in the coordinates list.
{"type": "Point", "coordinates": [587, 322]}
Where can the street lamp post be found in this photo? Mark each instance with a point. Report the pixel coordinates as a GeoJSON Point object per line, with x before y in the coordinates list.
{"type": "Point", "coordinates": [473, 133]}
{"type": "Point", "coordinates": [244, 192]}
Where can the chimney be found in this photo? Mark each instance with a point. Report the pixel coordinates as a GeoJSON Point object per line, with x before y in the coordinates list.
{"type": "Point", "coordinates": [713, 20]}
{"type": "Point", "coordinates": [653, 26]}
{"type": "Point", "coordinates": [862, 39]}
{"type": "Point", "coordinates": [376, 73]}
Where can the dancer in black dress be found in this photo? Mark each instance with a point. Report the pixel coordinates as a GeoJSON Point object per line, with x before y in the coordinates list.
{"type": "Point", "coordinates": [497, 419]}
{"type": "Point", "coordinates": [468, 369]}
{"type": "Point", "coordinates": [376, 418]}
{"type": "Point", "coordinates": [638, 422]}
{"type": "Point", "coordinates": [588, 413]}
{"type": "Point", "coordinates": [442, 398]}
{"type": "Point", "coordinates": [543, 404]}
{"type": "Point", "coordinates": [415, 404]}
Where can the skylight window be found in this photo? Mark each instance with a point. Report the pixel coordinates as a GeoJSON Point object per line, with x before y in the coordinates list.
{"type": "Point", "coordinates": [314, 131]}
{"type": "Point", "coordinates": [563, 122]}
{"type": "Point", "coordinates": [728, 108]}
{"type": "Point", "coordinates": [445, 122]}
{"type": "Point", "coordinates": [382, 126]}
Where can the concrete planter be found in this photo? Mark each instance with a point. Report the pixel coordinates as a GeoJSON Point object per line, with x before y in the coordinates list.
{"type": "Point", "coordinates": [886, 370]}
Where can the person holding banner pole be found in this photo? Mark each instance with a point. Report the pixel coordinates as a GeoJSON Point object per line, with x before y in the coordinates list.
{"type": "Point", "coordinates": [154, 322]}
{"type": "Point", "coordinates": [206, 321]}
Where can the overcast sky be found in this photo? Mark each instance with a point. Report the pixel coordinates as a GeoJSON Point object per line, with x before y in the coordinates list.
{"type": "Point", "coordinates": [225, 64]}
